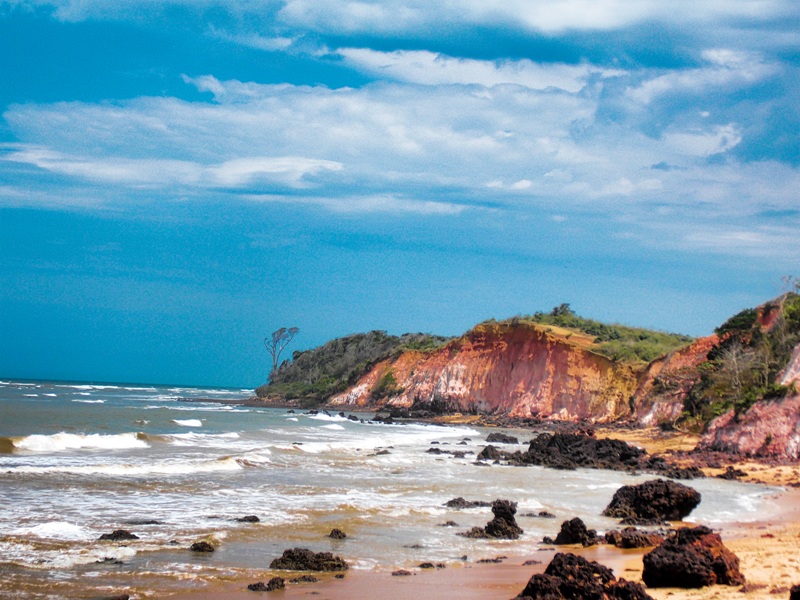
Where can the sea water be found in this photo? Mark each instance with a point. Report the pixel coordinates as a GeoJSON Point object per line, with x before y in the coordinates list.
{"type": "Point", "coordinates": [175, 465]}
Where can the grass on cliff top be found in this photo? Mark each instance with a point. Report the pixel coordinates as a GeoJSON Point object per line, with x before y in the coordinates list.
{"type": "Point", "coordinates": [617, 342]}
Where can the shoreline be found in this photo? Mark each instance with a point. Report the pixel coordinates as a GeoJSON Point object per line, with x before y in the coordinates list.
{"type": "Point", "coordinates": [767, 550]}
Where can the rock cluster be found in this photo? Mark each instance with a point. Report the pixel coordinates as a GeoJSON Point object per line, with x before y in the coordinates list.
{"type": "Point", "coordinates": [462, 503]}
{"type": "Point", "coordinates": [119, 535]}
{"type": "Point", "coordinates": [302, 559]}
{"type": "Point", "coordinates": [653, 502]}
{"type": "Point", "coordinates": [276, 583]}
{"type": "Point", "coordinates": [502, 526]}
{"type": "Point", "coordinates": [691, 558]}
{"type": "Point", "coordinates": [571, 576]}
{"type": "Point", "coordinates": [501, 438]}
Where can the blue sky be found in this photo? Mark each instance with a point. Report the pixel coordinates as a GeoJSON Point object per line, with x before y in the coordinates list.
{"type": "Point", "coordinates": [180, 178]}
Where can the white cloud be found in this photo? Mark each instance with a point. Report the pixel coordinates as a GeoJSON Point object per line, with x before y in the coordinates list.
{"type": "Point", "coordinates": [381, 203]}
{"type": "Point", "coordinates": [288, 170]}
{"type": "Point", "coordinates": [430, 68]}
{"type": "Point", "coordinates": [705, 143]}
{"type": "Point", "coordinates": [727, 69]}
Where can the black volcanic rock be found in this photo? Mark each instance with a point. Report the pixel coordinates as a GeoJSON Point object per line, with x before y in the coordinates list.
{"type": "Point", "coordinates": [691, 557]}
{"type": "Point", "coordinates": [119, 535]}
{"type": "Point", "coordinates": [630, 537]}
{"type": "Point", "coordinates": [302, 559]}
{"type": "Point", "coordinates": [656, 500]}
{"type": "Point", "coordinates": [502, 526]}
{"type": "Point", "coordinates": [337, 534]}
{"type": "Point", "coordinates": [501, 438]}
{"type": "Point", "coordinates": [201, 546]}
{"type": "Point", "coordinates": [276, 583]}
{"type": "Point", "coordinates": [574, 577]}
{"type": "Point", "coordinates": [575, 531]}
{"type": "Point", "coordinates": [461, 503]}
{"type": "Point", "coordinates": [571, 450]}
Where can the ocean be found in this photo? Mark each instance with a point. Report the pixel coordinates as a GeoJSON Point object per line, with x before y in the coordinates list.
{"type": "Point", "coordinates": [175, 465]}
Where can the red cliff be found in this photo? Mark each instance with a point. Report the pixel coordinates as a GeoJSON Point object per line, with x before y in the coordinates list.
{"type": "Point", "coordinates": [518, 369]}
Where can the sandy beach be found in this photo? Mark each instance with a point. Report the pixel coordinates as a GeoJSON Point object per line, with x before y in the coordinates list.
{"type": "Point", "coordinates": [769, 550]}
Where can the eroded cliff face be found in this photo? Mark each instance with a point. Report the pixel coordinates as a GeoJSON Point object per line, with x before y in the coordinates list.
{"type": "Point", "coordinates": [768, 428]}
{"type": "Point", "coordinates": [666, 382]}
{"type": "Point", "coordinates": [516, 369]}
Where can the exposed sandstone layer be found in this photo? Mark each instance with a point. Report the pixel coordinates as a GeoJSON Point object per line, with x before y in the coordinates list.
{"type": "Point", "coordinates": [515, 369]}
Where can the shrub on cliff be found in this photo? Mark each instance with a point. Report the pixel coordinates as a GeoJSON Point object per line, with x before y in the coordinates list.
{"type": "Point", "coordinates": [318, 374]}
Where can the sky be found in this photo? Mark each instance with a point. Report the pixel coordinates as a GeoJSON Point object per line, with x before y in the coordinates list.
{"type": "Point", "coordinates": [179, 178]}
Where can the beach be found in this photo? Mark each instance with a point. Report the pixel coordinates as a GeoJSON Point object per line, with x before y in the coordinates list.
{"type": "Point", "coordinates": [174, 466]}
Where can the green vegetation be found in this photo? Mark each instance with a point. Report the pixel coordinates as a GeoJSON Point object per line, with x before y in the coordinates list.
{"type": "Point", "coordinates": [618, 342]}
{"type": "Point", "coordinates": [386, 386]}
{"type": "Point", "coordinates": [743, 368]}
{"type": "Point", "coordinates": [315, 375]}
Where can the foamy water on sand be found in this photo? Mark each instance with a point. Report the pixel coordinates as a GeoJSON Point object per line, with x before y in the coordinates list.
{"type": "Point", "coordinates": [78, 461]}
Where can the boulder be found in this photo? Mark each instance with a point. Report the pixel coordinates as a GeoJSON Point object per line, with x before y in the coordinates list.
{"type": "Point", "coordinates": [571, 576]}
{"type": "Point", "coordinates": [655, 500]}
{"type": "Point", "coordinates": [119, 535]}
{"type": "Point", "coordinates": [575, 531]}
{"type": "Point", "coordinates": [337, 534]}
{"type": "Point", "coordinates": [490, 453]}
{"type": "Point", "coordinates": [794, 593]}
{"type": "Point", "coordinates": [302, 559]}
{"type": "Point", "coordinates": [691, 557]}
{"type": "Point", "coordinates": [501, 438]}
{"type": "Point", "coordinates": [249, 519]}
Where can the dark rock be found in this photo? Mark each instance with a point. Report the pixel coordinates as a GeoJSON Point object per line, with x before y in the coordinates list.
{"type": "Point", "coordinates": [427, 565]}
{"type": "Point", "coordinates": [501, 438]}
{"type": "Point", "coordinates": [339, 576]}
{"type": "Point", "coordinates": [495, 560]}
{"type": "Point", "coordinates": [575, 531]}
{"type": "Point", "coordinates": [383, 452]}
{"type": "Point", "coordinates": [119, 535]}
{"type": "Point", "coordinates": [490, 453]}
{"type": "Point", "coordinates": [448, 524]}
{"type": "Point", "coordinates": [630, 537]}
{"type": "Point", "coordinates": [276, 583]}
{"type": "Point", "coordinates": [249, 519]}
{"type": "Point", "coordinates": [201, 546]}
{"type": "Point", "coordinates": [732, 474]}
{"type": "Point", "coordinates": [302, 559]}
{"type": "Point", "coordinates": [691, 558]}
{"type": "Point", "coordinates": [115, 597]}
{"type": "Point", "coordinates": [337, 534]}
{"type": "Point", "coordinates": [531, 562]}
{"type": "Point", "coordinates": [143, 522]}
{"type": "Point", "coordinates": [659, 464]}
{"type": "Point", "coordinates": [352, 418]}
{"type": "Point", "coordinates": [571, 576]}
{"type": "Point", "coordinates": [401, 573]}
{"type": "Point", "coordinates": [304, 579]}
{"type": "Point", "coordinates": [794, 593]}
{"type": "Point", "coordinates": [657, 499]}
{"type": "Point", "coordinates": [461, 503]}
{"type": "Point", "coordinates": [545, 515]}
{"type": "Point", "coordinates": [502, 526]}
{"type": "Point", "coordinates": [571, 450]}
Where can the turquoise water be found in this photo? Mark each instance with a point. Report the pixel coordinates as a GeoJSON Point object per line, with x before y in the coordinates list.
{"type": "Point", "coordinates": [77, 461]}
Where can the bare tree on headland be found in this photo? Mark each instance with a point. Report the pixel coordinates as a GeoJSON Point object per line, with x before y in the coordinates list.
{"type": "Point", "coordinates": [275, 344]}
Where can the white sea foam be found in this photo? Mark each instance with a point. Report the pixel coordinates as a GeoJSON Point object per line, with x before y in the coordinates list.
{"type": "Point", "coordinates": [333, 426]}
{"type": "Point", "coordinates": [56, 530]}
{"type": "Point", "coordinates": [75, 441]}
{"type": "Point", "coordinates": [188, 422]}
{"type": "Point", "coordinates": [137, 470]}
{"type": "Point", "coordinates": [90, 387]}
{"type": "Point", "coordinates": [31, 395]}
{"type": "Point", "coordinates": [89, 401]}
{"type": "Point", "coordinates": [50, 395]}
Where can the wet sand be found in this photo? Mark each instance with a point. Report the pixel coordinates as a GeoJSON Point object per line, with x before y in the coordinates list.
{"type": "Point", "coordinates": [769, 554]}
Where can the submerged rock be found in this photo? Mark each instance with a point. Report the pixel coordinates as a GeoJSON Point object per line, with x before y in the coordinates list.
{"type": "Point", "coordinates": [249, 519]}
{"type": "Point", "coordinates": [302, 559]}
{"type": "Point", "coordinates": [201, 546]}
{"type": "Point", "coordinates": [276, 583]}
{"type": "Point", "coordinates": [571, 576]}
{"type": "Point", "coordinates": [657, 500]}
{"type": "Point", "coordinates": [691, 557]}
{"type": "Point", "coordinates": [501, 438]}
{"type": "Point", "coordinates": [337, 534]}
{"type": "Point", "coordinates": [502, 526]}
{"type": "Point", "coordinates": [461, 503]}
{"type": "Point", "coordinates": [119, 535]}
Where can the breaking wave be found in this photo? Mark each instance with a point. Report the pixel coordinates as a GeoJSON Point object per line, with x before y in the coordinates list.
{"type": "Point", "coordinates": [75, 441]}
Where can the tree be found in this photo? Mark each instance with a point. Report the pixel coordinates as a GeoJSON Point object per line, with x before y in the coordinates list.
{"type": "Point", "coordinates": [275, 344]}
